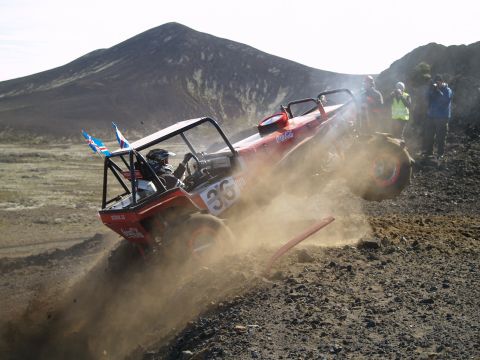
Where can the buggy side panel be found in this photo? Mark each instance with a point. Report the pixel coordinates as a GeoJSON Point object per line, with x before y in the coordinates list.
{"type": "Point", "coordinates": [129, 222]}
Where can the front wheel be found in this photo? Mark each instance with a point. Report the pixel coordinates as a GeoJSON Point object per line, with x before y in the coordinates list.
{"type": "Point", "coordinates": [378, 169]}
{"type": "Point", "coordinates": [200, 237]}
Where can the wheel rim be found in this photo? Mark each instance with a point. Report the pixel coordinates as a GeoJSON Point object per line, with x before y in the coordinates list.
{"type": "Point", "coordinates": [203, 241]}
{"type": "Point", "coordinates": [385, 170]}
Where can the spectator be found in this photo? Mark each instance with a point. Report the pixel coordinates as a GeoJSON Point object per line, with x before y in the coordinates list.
{"type": "Point", "coordinates": [400, 106]}
{"type": "Point", "coordinates": [371, 104]}
{"type": "Point", "coordinates": [439, 113]}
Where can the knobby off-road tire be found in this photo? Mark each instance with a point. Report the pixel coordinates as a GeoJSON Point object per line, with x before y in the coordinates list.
{"type": "Point", "coordinates": [200, 237]}
{"type": "Point", "coordinates": [379, 168]}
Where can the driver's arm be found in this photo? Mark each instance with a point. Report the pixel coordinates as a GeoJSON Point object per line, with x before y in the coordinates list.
{"type": "Point", "coordinates": [178, 173]}
{"type": "Point", "coordinates": [180, 170]}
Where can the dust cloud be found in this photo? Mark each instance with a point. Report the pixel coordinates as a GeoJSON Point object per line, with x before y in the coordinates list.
{"type": "Point", "coordinates": [109, 315]}
{"type": "Point", "coordinates": [289, 214]}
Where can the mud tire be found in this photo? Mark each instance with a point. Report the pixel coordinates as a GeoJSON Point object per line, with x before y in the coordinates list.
{"type": "Point", "coordinates": [379, 168]}
{"type": "Point", "coordinates": [200, 237]}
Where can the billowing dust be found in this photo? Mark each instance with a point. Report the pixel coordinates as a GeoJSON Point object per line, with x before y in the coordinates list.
{"type": "Point", "coordinates": [109, 316]}
{"type": "Point", "coordinates": [289, 215]}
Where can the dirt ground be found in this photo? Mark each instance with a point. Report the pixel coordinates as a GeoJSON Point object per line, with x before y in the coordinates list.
{"type": "Point", "coordinates": [396, 279]}
{"type": "Point", "coordinates": [48, 198]}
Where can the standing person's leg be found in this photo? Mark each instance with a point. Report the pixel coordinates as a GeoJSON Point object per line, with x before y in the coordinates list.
{"type": "Point", "coordinates": [394, 127]}
{"type": "Point", "coordinates": [442, 129]}
{"type": "Point", "coordinates": [429, 136]}
{"type": "Point", "coordinates": [397, 128]}
{"type": "Point", "coordinates": [403, 125]}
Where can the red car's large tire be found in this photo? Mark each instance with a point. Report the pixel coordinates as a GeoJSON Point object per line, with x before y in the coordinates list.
{"type": "Point", "coordinates": [378, 169]}
{"type": "Point", "coordinates": [200, 237]}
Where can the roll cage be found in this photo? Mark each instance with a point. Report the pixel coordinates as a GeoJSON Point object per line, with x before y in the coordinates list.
{"type": "Point", "coordinates": [318, 105]}
{"type": "Point", "coordinates": [133, 160]}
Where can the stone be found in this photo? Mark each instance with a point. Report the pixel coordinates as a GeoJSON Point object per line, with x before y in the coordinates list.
{"type": "Point", "coordinates": [369, 244]}
{"type": "Point", "coordinates": [305, 257]}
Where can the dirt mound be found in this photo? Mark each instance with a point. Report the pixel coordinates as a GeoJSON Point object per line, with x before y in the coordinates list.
{"type": "Point", "coordinates": [407, 290]}
{"type": "Point", "coordinates": [107, 315]}
{"type": "Point", "coordinates": [403, 297]}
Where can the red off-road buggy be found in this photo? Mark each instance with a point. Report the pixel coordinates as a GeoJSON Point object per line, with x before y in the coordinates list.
{"type": "Point", "coordinates": [222, 177]}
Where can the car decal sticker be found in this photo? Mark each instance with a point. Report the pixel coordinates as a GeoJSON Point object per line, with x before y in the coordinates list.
{"type": "Point", "coordinates": [221, 195]}
{"type": "Point", "coordinates": [285, 136]}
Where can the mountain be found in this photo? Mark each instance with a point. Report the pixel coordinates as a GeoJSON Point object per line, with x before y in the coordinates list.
{"type": "Point", "coordinates": [460, 67]}
{"type": "Point", "coordinates": [164, 75]}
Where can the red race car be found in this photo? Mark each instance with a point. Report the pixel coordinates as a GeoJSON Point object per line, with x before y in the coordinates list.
{"type": "Point", "coordinates": [152, 199]}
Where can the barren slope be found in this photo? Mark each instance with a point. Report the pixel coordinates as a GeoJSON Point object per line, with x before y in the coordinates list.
{"type": "Point", "coordinates": [409, 290]}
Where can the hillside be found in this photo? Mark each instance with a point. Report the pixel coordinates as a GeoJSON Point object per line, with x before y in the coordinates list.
{"type": "Point", "coordinates": [166, 74]}
{"type": "Point", "coordinates": [396, 279]}
{"type": "Point", "coordinates": [409, 290]}
{"type": "Point", "coordinates": [171, 72]}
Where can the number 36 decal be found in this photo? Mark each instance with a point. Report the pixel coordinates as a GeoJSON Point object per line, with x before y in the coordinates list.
{"type": "Point", "coordinates": [221, 195]}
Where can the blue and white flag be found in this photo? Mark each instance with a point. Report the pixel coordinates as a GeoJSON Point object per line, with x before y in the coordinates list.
{"type": "Point", "coordinates": [95, 144]}
{"type": "Point", "coordinates": [124, 144]}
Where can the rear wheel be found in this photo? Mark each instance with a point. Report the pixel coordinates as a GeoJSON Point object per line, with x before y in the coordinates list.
{"type": "Point", "coordinates": [200, 237]}
{"type": "Point", "coordinates": [378, 169]}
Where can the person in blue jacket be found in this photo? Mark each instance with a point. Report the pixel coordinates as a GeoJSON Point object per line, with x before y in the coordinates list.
{"type": "Point", "coordinates": [439, 99]}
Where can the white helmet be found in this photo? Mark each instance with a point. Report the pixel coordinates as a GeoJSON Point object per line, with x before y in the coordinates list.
{"type": "Point", "coordinates": [400, 86]}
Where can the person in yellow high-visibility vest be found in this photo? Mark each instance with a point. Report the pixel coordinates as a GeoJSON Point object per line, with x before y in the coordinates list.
{"type": "Point", "coordinates": [401, 103]}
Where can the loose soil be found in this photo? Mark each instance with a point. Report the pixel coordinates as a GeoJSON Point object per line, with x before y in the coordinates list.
{"type": "Point", "coordinates": [401, 282]}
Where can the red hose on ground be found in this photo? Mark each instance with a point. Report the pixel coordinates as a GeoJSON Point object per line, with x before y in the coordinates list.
{"type": "Point", "coordinates": [297, 239]}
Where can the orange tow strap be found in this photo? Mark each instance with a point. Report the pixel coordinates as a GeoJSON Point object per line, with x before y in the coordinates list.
{"type": "Point", "coordinates": [297, 239]}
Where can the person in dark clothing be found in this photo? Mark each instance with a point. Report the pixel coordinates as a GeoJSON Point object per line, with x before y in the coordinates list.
{"type": "Point", "coordinates": [439, 113]}
{"type": "Point", "coordinates": [371, 105]}
{"type": "Point", "coordinates": [158, 161]}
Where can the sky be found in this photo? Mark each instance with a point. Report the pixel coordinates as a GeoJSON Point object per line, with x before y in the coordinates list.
{"type": "Point", "coordinates": [356, 37]}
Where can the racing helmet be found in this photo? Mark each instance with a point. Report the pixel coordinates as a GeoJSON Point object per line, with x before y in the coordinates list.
{"type": "Point", "coordinates": [159, 156]}
{"type": "Point", "coordinates": [400, 86]}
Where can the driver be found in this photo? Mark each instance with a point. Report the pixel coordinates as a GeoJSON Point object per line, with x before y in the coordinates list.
{"type": "Point", "coordinates": [158, 160]}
